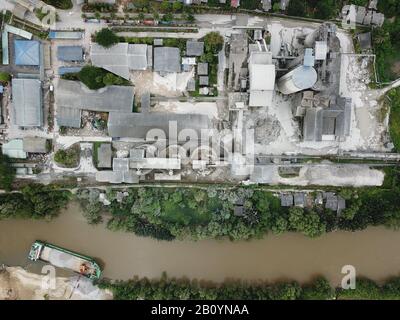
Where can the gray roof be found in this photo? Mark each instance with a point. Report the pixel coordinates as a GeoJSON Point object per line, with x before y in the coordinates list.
{"type": "Point", "coordinates": [299, 199]}
{"type": "Point", "coordinates": [68, 117]}
{"type": "Point", "coordinates": [117, 176]}
{"type": "Point", "coordinates": [120, 58]}
{"type": "Point", "coordinates": [194, 48]}
{"type": "Point", "coordinates": [74, 94]}
{"type": "Point", "coordinates": [138, 125]}
{"type": "Point", "coordinates": [191, 85]}
{"type": "Point", "coordinates": [331, 201]}
{"type": "Point", "coordinates": [120, 164]}
{"type": "Point", "coordinates": [336, 120]}
{"type": "Point", "coordinates": [203, 80]}
{"type": "Point", "coordinates": [167, 59]}
{"type": "Point", "coordinates": [286, 200]}
{"type": "Point", "coordinates": [35, 144]}
{"type": "Point", "coordinates": [70, 53]}
{"type": "Point", "coordinates": [158, 42]}
{"type": "Point", "coordinates": [104, 155]}
{"type": "Point", "coordinates": [27, 102]}
{"type": "Point", "coordinates": [365, 40]}
{"type": "Point", "coordinates": [202, 68]}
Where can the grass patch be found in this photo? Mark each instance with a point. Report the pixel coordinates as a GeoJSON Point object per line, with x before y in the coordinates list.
{"type": "Point", "coordinates": [68, 158]}
{"type": "Point", "coordinates": [394, 121]}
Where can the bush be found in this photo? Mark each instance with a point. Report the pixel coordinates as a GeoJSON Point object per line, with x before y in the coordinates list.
{"type": "Point", "coordinates": [5, 77]}
{"type": "Point", "coordinates": [106, 38]}
{"type": "Point", "coordinates": [68, 158]}
{"type": "Point", "coordinates": [394, 121]}
{"type": "Point", "coordinates": [319, 289]}
{"type": "Point", "coordinates": [213, 42]}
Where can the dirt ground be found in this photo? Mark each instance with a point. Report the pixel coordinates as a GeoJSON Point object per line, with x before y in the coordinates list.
{"type": "Point", "coordinates": [18, 284]}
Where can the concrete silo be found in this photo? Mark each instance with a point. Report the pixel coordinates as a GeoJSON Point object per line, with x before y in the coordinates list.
{"type": "Point", "coordinates": [300, 78]}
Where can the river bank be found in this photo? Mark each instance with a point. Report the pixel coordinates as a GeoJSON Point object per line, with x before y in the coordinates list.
{"type": "Point", "coordinates": [19, 284]}
{"type": "Point", "coordinates": [291, 256]}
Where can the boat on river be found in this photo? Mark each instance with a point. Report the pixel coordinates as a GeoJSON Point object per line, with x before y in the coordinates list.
{"type": "Point", "coordinates": [64, 258]}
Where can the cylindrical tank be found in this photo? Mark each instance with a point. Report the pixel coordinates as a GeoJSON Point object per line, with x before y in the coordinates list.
{"type": "Point", "coordinates": [298, 79]}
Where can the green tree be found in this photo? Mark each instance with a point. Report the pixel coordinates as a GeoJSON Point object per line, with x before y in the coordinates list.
{"type": "Point", "coordinates": [297, 8]}
{"type": "Point", "coordinates": [7, 173]}
{"type": "Point", "coordinates": [156, 15]}
{"type": "Point", "coordinates": [177, 6]}
{"type": "Point", "coordinates": [319, 289]}
{"type": "Point", "coordinates": [325, 9]}
{"type": "Point", "coordinates": [168, 16]}
{"type": "Point", "coordinates": [141, 16]}
{"type": "Point", "coordinates": [141, 4]}
{"type": "Point", "coordinates": [308, 223]}
{"type": "Point", "coordinates": [165, 6]}
{"type": "Point", "coordinates": [213, 42]}
{"type": "Point", "coordinates": [106, 38]}
{"type": "Point", "coordinates": [97, 15]}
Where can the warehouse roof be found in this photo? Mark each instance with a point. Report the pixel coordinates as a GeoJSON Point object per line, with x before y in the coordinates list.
{"type": "Point", "coordinates": [27, 102]}
{"type": "Point", "coordinates": [14, 149]}
{"type": "Point", "coordinates": [74, 94]}
{"type": "Point", "coordinates": [27, 52]}
{"type": "Point", "coordinates": [194, 48]}
{"type": "Point", "coordinates": [120, 58]}
{"type": "Point", "coordinates": [137, 125]}
{"type": "Point", "coordinates": [167, 59]}
{"type": "Point", "coordinates": [35, 144]}
{"type": "Point", "coordinates": [70, 53]}
{"type": "Point", "coordinates": [68, 117]}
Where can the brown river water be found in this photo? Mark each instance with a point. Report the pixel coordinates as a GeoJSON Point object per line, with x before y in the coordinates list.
{"type": "Point", "coordinates": [373, 252]}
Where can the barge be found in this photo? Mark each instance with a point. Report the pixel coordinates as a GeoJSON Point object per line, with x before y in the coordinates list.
{"type": "Point", "coordinates": [64, 258]}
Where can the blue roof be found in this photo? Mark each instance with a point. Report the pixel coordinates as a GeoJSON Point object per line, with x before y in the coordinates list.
{"type": "Point", "coordinates": [26, 52]}
{"type": "Point", "coordinates": [64, 70]}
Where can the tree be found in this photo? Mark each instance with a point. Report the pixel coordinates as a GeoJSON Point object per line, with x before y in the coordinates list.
{"type": "Point", "coordinates": [297, 8]}
{"type": "Point", "coordinates": [177, 6]}
{"type": "Point", "coordinates": [141, 16]}
{"type": "Point", "coordinates": [97, 15]}
{"type": "Point", "coordinates": [319, 289]}
{"type": "Point", "coordinates": [165, 6]}
{"type": "Point", "coordinates": [111, 79]}
{"type": "Point", "coordinates": [307, 223]}
{"type": "Point", "coordinates": [213, 42]}
{"type": "Point", "coordinates": [7, 173]}
{"type": "Point", "coordinates": [156, 16]}
{"type": "Point", "coordinates": [141, 4]}
{"type": "Point", "coordinates": [325, 9]}
{"type": "Point", "coordinates": [106, 38]}
{"type": "Point", "coordinates": [168, 16]}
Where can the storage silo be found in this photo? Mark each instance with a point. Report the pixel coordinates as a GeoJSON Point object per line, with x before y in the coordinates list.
{"type": "Point", "coordinates": [300, 78]}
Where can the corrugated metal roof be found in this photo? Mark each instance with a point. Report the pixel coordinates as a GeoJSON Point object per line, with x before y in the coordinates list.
{"type": "Point", "coordinates": [120, 58]}
{"type": "Point", "coordinates": [70, 53]}
{"type": "Point", "coordinates": [68, 117]}
{"type": "Point", "coordinates": [74, 94]}
{"type": "Point", "coordinates": [14, 149]}
{"type": "Point", "coordinates": [65, 70]}
{"type": "Point", "coordinates": [72, 35]}
{"type": "Point", "coordinates": [167, 59]}
{"type": "Point", "coordinates": [27, 52]}
{"type": "Point", "coordinates": [137, 125]}
{"type": "Point", "coordinates": [194, 48]}
{"type": "Point", "coordinates": [202, 68]}
{"type": "Point", "coordinates": [27, 102]}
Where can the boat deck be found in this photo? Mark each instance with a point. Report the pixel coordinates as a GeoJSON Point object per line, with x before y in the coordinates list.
{"type": "Point", "coordinates": [62, 259]}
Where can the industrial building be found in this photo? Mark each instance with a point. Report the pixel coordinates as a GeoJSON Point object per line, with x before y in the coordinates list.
{"type": "Point", "coordinates": [27, 104]}
{"type": "Point", "coordinates": [194, 48]}
{"type": "Point", "coordinates": [121, 58]}
{"type": "Point", "coordinates": [73, 96]}
{"type": "Point", "coordinates": [70, 53]}
{"type": "Point", "coordinates": [27, 52]}
{"type": "Point", "coordinates": [262, 79]}
{"type": "Point", "coordinates": [167, 59]}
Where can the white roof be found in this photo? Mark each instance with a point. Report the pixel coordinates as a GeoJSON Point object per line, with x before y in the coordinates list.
{"type": "Point", "coordinates": [262, 77]}
{"type": "Point", "coordinates": [321, 50]}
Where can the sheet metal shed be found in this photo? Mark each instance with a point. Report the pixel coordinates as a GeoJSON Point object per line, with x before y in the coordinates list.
{"type": "Point", "coordinates": [167, 59]}
{"type": "Point", "coordinates": [70, 53]}
{"type": "Point", "coordinates": [27, 102]}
